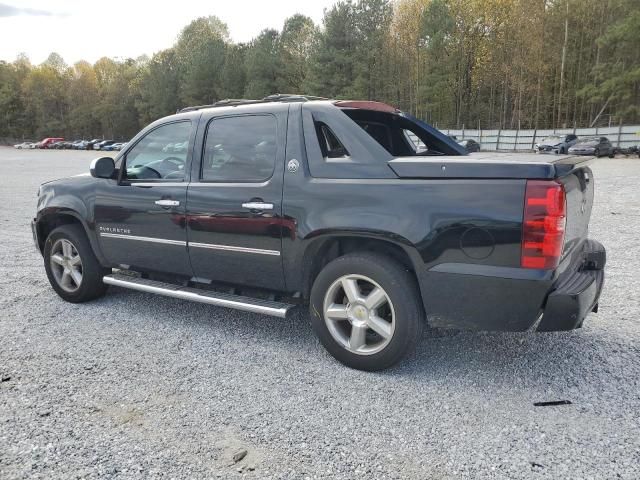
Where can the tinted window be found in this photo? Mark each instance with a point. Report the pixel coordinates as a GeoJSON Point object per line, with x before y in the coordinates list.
{"type": "Point", "coordinates": [161, 154]}
{"type": "Point", "coordinates": [240, 149]}
{"type": "Point", "coordinates": [417, 146]}
{"type": "Point", "coordinates": [329, 144]}
{"type": "Point", "coordinates": [380, 132]}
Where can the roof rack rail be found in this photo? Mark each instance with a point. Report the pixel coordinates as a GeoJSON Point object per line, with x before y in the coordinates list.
{"type": "Point", "coordinates": [277, 97]}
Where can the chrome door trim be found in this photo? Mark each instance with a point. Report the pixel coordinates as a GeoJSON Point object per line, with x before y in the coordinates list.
{"type": "Point", "coordinates": [258, 206]}
{"type": "Point", "coordinates": [230, 248]}
{"type": "Point", "coordinates": [167, 203]}
{"type": "Point", "coordinates": [144, 239]}
{"type": "Point", "coordinates": [229, 184]}
{"type": "Point", "coordinates": [158, 184]}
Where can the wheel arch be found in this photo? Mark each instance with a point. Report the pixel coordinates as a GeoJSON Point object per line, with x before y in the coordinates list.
{"type": "Point", "coordinates": [51, 218]}
{"type": "Point", "coordinates": [325, 248]}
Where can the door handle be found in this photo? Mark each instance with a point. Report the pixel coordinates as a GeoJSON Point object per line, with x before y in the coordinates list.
{"type": "Point", "coordinates": [258, 206]}
{"type": "Point", "coordinates": [167, 203]}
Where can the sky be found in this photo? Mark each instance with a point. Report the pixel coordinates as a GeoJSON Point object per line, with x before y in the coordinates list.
{"type": "Point", "coordinates": [91, 29]}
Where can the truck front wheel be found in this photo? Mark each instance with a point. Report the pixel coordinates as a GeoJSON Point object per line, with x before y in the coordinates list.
{"type": "Point", "coordinates": [73, 270]}
{"type": "Point", "coordinates": [366, 310]}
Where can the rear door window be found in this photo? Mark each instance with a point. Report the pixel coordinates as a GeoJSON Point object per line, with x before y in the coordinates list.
{"type": "Point", "coordinates": [240, 149]}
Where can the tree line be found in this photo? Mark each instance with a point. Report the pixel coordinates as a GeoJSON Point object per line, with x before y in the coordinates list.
{"type": "Point", "coordinates": [493, 63]}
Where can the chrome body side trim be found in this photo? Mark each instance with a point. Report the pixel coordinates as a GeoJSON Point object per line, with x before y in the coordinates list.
{"type": "Point", "coordinates": [144, 239]}
{"type": "Point", "coordinates": [211, 246]}
{"type": "Point", "coordinates": [230, 248]}
{"type": "Point", "coordinates": [198, 184]}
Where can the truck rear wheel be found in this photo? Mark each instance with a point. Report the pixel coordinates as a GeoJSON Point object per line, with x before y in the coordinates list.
{"type": "Point", "coordinates": [366, 310]}
{"type": "Point", "coordinates": [73, 270]}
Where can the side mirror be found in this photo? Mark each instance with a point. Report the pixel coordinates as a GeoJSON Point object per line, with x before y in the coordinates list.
{"type": "Point", "coordinates": [103, 167]}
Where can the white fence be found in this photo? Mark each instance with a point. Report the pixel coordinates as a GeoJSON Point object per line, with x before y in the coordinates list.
{"type": "Point", "coordinates": [621, 136]}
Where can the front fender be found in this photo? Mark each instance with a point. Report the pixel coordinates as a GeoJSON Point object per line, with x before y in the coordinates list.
{"type": "Point", "coordinates": [58, 199]}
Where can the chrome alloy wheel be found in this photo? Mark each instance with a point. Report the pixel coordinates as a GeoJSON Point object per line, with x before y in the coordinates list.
{"type": "Point", "coordinates": [359, 314]}
{"type": "Point", "coordinates": [66, 265]}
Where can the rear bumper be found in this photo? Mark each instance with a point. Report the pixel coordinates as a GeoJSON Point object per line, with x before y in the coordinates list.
{"type": "Point", "coordinates": [487, 298]}
{"type": "Point", "coordinates": [576, 293]}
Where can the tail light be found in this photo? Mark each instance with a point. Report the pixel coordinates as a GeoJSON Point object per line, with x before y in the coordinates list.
{"type": "Point", "coordinates": [543, 224]}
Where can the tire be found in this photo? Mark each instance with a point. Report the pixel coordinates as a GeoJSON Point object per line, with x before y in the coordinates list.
{"type": "Point", "coordinates": [62, 279]}
{"type": "Point", "coordinates": [399, 317]}
{"type": "Point", "coordinates": [596, 152]}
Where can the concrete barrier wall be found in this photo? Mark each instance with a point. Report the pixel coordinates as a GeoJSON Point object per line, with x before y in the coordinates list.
{"type": "Point", "coordinates": [620, 136]}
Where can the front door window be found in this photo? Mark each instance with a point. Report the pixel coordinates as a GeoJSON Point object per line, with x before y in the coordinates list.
{"type": "Point", "coordinates": [161, 155]}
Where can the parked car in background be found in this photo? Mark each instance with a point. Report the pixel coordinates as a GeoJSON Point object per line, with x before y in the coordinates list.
{"type": "Point", "coordinates": [113, 147]}
{"type": "Point", "coordinates": [632, 150]}
{"type": "Point", "coordinates": [90, 145]}
{"type": "Point", "coordinates": [79, 144]}
{"type": "Point", "coordinates": [470, 145]}
{"type": "Point", "coordinates": [102, 144]}
{"type": "Point", "coordinates": [23, 145]}
{"type": "Point", "coordinates": [596, 146]}
{"type": "Point", "coordinates": [557, 144]}
{"type": "Point", "coordinates": [47, 142]}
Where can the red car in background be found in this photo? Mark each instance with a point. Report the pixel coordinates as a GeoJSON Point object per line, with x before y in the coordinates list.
{"type": "Point", "coordinates": [45, 143]}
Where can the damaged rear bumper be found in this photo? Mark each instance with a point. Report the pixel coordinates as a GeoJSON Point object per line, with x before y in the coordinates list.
{"type": "Point", "coordinates": [576, 293]}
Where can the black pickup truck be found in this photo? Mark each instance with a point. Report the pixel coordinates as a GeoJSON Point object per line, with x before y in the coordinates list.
{"type": "Point", "coordinates": [376, 220]}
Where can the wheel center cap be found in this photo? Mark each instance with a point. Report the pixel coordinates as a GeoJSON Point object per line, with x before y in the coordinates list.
{"type": "Point", "coordinates": [358, 314]}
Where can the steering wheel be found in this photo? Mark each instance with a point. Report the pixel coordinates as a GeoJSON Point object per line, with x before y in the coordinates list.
{"type": "Point", "coordinates": [155, 173]}
{"type": "Point", "coordinates": [174, 161]}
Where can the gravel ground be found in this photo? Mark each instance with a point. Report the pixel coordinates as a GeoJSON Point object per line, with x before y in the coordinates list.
{"type": "Point", "coordinates": [140, 386]}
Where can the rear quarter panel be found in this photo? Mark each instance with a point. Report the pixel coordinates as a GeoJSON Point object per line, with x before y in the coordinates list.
{"type": "Point", "coordinates": [436, 221]}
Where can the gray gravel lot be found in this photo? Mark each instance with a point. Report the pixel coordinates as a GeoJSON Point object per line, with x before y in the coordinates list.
{"type": "Point", "coordinates": [140, 386]}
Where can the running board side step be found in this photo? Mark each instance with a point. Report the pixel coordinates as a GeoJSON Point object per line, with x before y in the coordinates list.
{"type": "Point", "coordinates": [237, 302]}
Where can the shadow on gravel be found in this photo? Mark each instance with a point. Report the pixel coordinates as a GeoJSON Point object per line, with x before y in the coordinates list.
{"type": "Point", "coordinates": [483, 358]}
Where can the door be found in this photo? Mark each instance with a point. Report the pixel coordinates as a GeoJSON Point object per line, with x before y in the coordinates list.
{"type": "Point", "coordinates": [140, 218]}
{"type": "Point", "coordinates": [234, 205]}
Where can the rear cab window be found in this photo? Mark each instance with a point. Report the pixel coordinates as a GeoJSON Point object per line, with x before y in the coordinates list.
{"type": "Point", "coordinates": [343, 140]}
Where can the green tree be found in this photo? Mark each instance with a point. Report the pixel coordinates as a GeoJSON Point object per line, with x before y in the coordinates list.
{"type": "Point", "coordinates": [83, 98]}
{"type": "Point", "coordinates": [263, 65]}
{"type": "Point", "coordinates": [234, 73]}
{"type": "Point", "coordinates": [201, 49]}
{"type": "Point", "coordinates": [333, 66]}
{"type": "Point", "coordinates": [296, 44]}
{"type": "Point", "coordinates": [157, 86]}
{"type": "Point", "coordinates": [616, 77]}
